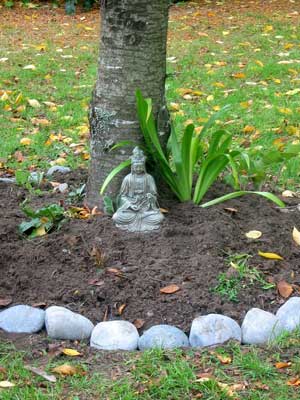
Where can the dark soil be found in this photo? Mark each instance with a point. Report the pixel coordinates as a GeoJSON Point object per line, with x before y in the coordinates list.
{"type": "Point", "coordinates": [190, 251]}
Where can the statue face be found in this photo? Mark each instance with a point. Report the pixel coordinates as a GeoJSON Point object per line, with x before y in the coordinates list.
{"type": "Point", "coordinates": [138, 168]}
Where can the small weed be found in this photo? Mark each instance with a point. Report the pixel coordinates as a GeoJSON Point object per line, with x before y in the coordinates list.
{"type": "Point", "coordinates": [238, 276]}
{"type": "Point", "coordinates": [76, 195]}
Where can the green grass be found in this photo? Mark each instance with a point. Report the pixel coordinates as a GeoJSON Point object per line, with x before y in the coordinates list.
{"type": "Point", "coordinates": [239, 275]}
{"type": "Point", "coordinates": [223, 373]}
{"type": "Point", "coordinates": [234, 62]}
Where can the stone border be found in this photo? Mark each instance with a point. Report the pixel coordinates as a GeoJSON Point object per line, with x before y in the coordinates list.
{"type": "Point", "coordinates": [258, 327]}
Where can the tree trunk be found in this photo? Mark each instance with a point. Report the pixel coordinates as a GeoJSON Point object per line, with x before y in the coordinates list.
{"type": "Point", "coordinates": [132, 56]}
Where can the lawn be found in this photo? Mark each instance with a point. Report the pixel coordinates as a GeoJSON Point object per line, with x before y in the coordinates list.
{"type": "Point", "coordinates": [219, 53]}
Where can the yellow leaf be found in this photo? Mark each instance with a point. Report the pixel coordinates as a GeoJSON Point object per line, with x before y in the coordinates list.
{"type": "Point", "coordinates": [25, 141]}
{"type": "Point", "coordinates": [34, 103]}
{"type": "Point", "coordinates": [6, 384]}
{"type": "Point", "coordinates": [246, 104]}
{"type": "Point", "coordinates": [219, 84]}
{"type": "Point", "coordinates": [224, 359]}
{"type": "Point", "coordinates": [288, 46]}
{"type": "Point", "coordinates": [293, 92]}
{"type": "Point", "coordinates": [71, 352]}
{"type": "Point", "coordinates": [259, 63]}
{"type": "Point", "coordinates": [225, 33]}
{"type": "Point", "coordinates": [253, 234]}
{"type": "Point", "coordinates": [249, 129]}
{"type": "Point", "coordinates": [268, 28]}
{"type": "Point", "coordinates": [296, 236]}
{"type": "Point", "coordinates": [18, 98]}
{"type": "Point", "coordinates": [4, 96]}
{"type": "Point", "coordinates": [65, 369]}
{"type": "Point", "coordinates": [41, 231]}
{"type": "Point", "coordinates": [276, 80]}
{"type": "Point", "coordinates": [271, 256]}
{"type": "Point", "coordinates": [41, 47]}
{"type": "Point", "coordinates": [58, 161]}
{"type": "Point", "coordinates": [283, 110]}
{"type": "Point", "coordinates": [174, 107]}
{"type": "Point", "coordinates": [210, 98]}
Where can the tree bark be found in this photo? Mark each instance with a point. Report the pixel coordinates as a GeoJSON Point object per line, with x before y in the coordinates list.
{"type": "Point", "coordinates": [132, 56]}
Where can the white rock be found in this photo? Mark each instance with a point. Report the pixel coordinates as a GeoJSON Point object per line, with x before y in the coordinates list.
{"type": "Point", "coordinates": [8, 180]}
{"type": "Point", "coordinates": [289, 314]}
{"type": "Point", "coordinates": [259, 327]}
{"type": "Point", "coordinates": [164, 337]}
{"type": "Point", "coordinates": [58, 169]}
{"type": "Point", "coordinates": [62, 323]}
{"type": "Point", "coordinates": [213, 329]}
{"type": "Point", "coordinates": [115, 335]}
{"type": "Point", "coordinates": [22, 319]}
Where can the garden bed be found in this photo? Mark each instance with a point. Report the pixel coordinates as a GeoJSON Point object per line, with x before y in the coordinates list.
{"type": "Point", "coordinates": [190, 251]}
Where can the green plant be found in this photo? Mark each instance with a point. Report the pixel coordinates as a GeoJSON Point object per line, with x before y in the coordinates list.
{"type": "Point", "coordinates": [182, 160]}
{"type": "Point", "coordinates": [239, 276]}
{"type": "Point", "coordinates": [77, 194]}
{"type": "Point", "coordinates": [43, 220]}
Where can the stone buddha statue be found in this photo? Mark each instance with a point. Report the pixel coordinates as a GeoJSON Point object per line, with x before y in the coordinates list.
{"type": "Point", "coordinates": [138, 210]}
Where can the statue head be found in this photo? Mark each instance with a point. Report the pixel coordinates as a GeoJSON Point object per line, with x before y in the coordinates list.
{"type": "Point", "coordinates": [138, 161]}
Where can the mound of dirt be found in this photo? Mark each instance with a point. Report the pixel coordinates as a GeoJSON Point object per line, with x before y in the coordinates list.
{"type": "Point", "coordinates": [189, 251]}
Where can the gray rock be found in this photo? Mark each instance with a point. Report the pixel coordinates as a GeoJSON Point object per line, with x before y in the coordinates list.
{"type": "Point", "coordinates": [213, 329]}
{"type": "Point", "coordinates": [115, 335]}
{"type": "Point", "coordinates": [62, 323]}
{"type": "Point", "coordinates": [8, 180]}
{"type": "Point", "coordinates": [58, 169]}
{"type": "Point", "coordinates": [36, 177]}
{"type": "Point", "coordinates": [164, 337]}
{"type": "Point", "coordinates": [22, 319]}
{"type": "Point", "coordinates": [289, 314]}
{"type": "Point", "coordinates": [259, 327]}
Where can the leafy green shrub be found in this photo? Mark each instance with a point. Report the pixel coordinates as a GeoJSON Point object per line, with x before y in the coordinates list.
{"type": "Point", "coordinates": [70, 5]}
{"type": "Point", "coordinates": [43, 220]}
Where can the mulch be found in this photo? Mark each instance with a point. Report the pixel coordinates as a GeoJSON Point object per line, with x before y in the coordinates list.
{"type": "Point", "coordinates": [189, 251]}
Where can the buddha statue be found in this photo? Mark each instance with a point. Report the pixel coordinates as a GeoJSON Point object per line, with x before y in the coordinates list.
{"type": "Point", "coordinates": [138, 210]}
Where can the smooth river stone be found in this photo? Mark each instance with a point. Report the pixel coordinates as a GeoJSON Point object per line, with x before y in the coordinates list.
{"type": "Point", "coordinates": [212, 329]}
{"type": "Point", "coordinates": [289, 314]}
{"type": "Point", "coordinates": [164, 337]}
{"type": "Point", "coordinates": [115, 335]}
{"type": "Point", "coordinates": [22, 319]}
{"type": "Point", "coordinates": [64, 324]}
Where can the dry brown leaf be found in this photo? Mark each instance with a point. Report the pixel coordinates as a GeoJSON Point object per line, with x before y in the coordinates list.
{"type": "Point", "coordinates": [65, 369]}
{"type": "Point", "coordinates": [294, 382]}
{"type": "Point", "coordinates": [231, 210]}
{"type": "Point", "coordinates": [34, 103]}
{"type": "Point", "coordinates": [71, 352]}
{"type": "Point", "coordinates": [288, 193]}
{"type": "Point", "coordinates": [170, 289]}
{"type": "Point", "coordinates": [5, 301]}
{"type": "Point", "coordinates": [41, 372]}
{"type": "Point", "coordinates": [296, 236]}
{"type": "Point", "coordinates": [121, 309]}
{"type": "Point", "coordinates": [284, 289]}
{"type": "Point", "coordinates": [281, 365]}
{"type": "Point", "coordinates": [96, 282]}
{"type": "Point", "coordinates": [114, 271]}
{"type": "Point", "coordinates": [163, 210]}
{"type": "Point", "coordinates": [271, 256]}
{"type": "Point", "coordinates": [224, 359]}
{"type": "Point", "coordinates": [138, 323]}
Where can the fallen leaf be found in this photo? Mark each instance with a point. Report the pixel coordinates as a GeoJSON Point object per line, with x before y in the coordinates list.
{"type": "Point", "coordinates": [169, 289]}
{"type": "Point", "coordinates": [138, 323]}
{"type": "Point", "coordinates": [231, 210]}
{"type": "Point", "coordinates": [271, 256]}
{"type": "Point", "coordinates": [164, 210]}
{"type": "Point", "coordinates": [296, 236]}
{"type": "Point", "coordinates": [253, 234]}
{"type": "Point", "coordinates": [5, 301]}
{"type": "Point", "coordinates": [281, 365]}
{"type": "Point", "coordinates": [121, 309]}
{"type": "Point", "coordinates": [294, 382]}
{"type": "Point", "coordinates": [65, 369]}
{"type": "Point", "coordinates": [31, 66]}
{"type": "Point", "coordinates": [40, 231]}
{"type": "Point", "coordinates": [114, 271]}
{"type": "Point", "coordinates": [71, 352]}
{"type": "Point", "coordinates": [25, 141]}
{"type": "Point", "coordinates": [41, 372]}
{"type": "Point", "coordinates": [6, 385]}
{"type": "Point", "coordinates": [284, 289]}
{"type": "Point", "coordinates": [224, 359]}
{"type": "Point", "coordinates": [288, 193]}
{"type": "Point", "coordinates": [239, 75]}
{"type": "Point", "coordinates": [96, 282]}
{"type": "Point", "coordinates": [34, 103]}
